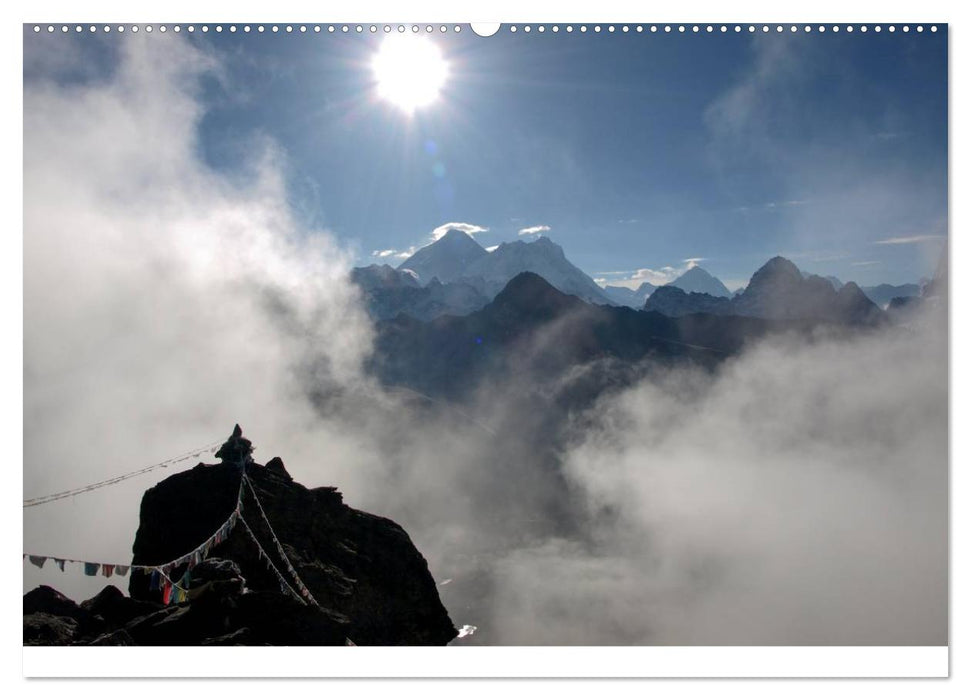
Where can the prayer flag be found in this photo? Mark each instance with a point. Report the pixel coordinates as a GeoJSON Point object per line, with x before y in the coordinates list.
{"type": "Point", "coordinates": [121, 570]}
{"type": "Point", "coordinates": [37, 561]}
{"type": "Point", "coordinates": [60, 564]}
{"type": "Point", "coordinates": [155, 582]}
{"type": "Point", "coordinates": [166, 592]}
{"type": "Point", "coordinates": [90, 568]}
{"type": "Point", "coordinates": [107, 570]}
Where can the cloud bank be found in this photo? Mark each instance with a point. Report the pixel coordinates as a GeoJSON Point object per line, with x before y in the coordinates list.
{"type": "Point", "coordinates": [797, 497]}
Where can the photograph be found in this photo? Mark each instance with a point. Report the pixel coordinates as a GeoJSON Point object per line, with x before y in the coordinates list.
{"type": "Point", "coordinates": [512, 335]}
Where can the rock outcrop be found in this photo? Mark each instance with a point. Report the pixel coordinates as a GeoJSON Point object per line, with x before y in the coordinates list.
{"type": "Point", "coordinates": [368, 584]}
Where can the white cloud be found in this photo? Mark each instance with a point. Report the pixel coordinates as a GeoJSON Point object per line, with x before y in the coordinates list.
{"type": "Point", "coordinates": [865, 263]}
{"type": "Point", "coordinates": [470, 229]}
{"type": "Point", "coordinates": [383, 253]}
{"type": "Point", "coordinates": [906, 240]}
{"type": "Point", "coordinates": [530, 230]}
{"type": "Point", "coordinates": [693, 262]}
{"type": "Point", "coordinates": [491, 248]}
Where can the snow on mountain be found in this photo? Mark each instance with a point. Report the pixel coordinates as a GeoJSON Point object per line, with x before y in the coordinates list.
{"type": "Point", "coordinates": [699, 280]}
{"type": "Point", "coordinates": [447, 258]}
{"type": "Point", "coordinates": [492, 272]}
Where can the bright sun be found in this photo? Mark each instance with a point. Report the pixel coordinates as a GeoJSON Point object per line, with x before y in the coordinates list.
{"type": "Point", "coordinates": [410, 71]}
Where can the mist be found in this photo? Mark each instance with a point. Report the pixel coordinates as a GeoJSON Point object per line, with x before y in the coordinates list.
{"type": "Point", "coordinates": [798, 496]}
{"type": "Point", "coordinates": [795, 495]}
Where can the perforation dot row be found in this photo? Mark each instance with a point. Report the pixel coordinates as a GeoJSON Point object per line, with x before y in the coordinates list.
{"type": "Point", "coordinates": [723, 28]}
{"type": "Point", "coordinates": [246, 28]}
{"type": "Point", "coordinates": [428, 28]}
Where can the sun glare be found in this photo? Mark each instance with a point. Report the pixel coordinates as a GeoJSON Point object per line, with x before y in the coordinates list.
{"type": "Point", "coordinates": [410, 71]}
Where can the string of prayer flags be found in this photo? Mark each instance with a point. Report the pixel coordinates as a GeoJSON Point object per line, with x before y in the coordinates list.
{"type": "Point", "coordinates": [304, 591]}
{"type": "Point", "coordinates": [284, 586]}
{"type": "Point", "coordinates": [40, 500]}
{"type": "Point", "coordinates": [160, 575]}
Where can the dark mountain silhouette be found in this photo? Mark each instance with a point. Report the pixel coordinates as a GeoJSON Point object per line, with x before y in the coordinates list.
{"type": "Point", "coordinates": [445, 259]}
{"type": "Point", "coordinates": [389, 292]}
{"type": "Point", "coordinates": [534, 329]}
{"type": "Point", "coordinates": [673, 301]}
{"type": "Point", "coordinates": [369, 583]}
{"type": "Point", "coordinates": [778, 290]}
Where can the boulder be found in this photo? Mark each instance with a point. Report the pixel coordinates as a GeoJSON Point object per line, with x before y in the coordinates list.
{"type": "Point", "coordinates": [44, 629]}
{"type": "Point", "coordinates": [115, 608]}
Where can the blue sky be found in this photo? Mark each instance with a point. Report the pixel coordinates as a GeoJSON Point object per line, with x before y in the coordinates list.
{"type": "Point", "coordinates": [639, 152]}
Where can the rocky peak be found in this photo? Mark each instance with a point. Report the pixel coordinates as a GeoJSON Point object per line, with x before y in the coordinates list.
{"type": "Point", "coordinates": [776, 271]}
{"type": "Point", "coordinates": [699, 280]}
{"type": "Point", "coordinates": [447, 258]}
{"type": "Point", "coordinates": [368, 580]}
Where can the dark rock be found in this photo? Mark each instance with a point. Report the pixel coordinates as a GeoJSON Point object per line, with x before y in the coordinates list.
{"type": "Point", "coordinates": [116, 609]}
{"type": "Point", "coordinates": [47, 600]}
{"type": "Point", "coordinates": [44, 629]}
{"type": "Point", "coordinates": [240, 637]}
{"type": "Point", "coordinates": [255, 618]}
{"type": "Point", "coordinates": [276, 465]}
{"type": "Point", "coordinates": [118, 638]}
{"type": "Point", "coordinates": [220, 576]}
{"type": "Point", "coordinates": [371, 583]}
